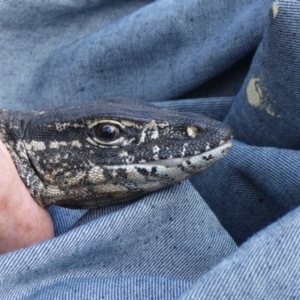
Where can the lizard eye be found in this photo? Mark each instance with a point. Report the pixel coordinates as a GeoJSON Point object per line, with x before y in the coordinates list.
{"type": "Point", "coordinates": [107, 132]}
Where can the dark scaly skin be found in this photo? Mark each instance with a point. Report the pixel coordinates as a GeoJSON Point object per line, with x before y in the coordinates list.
{"type": "Point", "coordinates": [62, 162]}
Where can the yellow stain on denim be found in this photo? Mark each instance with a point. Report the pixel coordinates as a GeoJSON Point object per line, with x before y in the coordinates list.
{"type": "Point", "coordinates": [254, 92]}
{"type": "Point", "coordinates": [258, 97]}
{"type": "Point", "coordinates": [275, 8]}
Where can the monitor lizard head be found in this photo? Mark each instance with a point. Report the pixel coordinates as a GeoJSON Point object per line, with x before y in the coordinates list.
{"type": "Point", "coordinates": [109, 151]}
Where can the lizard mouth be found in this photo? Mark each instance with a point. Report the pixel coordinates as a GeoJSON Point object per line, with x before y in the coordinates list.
{"type": "Point", "coordinates": [206, 158]}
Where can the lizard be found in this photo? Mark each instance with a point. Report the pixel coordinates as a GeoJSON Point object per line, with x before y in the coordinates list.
{"type": "Point", "coordinates": [108, 151]}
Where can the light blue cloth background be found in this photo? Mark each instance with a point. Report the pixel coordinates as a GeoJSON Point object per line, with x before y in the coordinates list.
{"type": "Point", "coordinates": [232, 232]}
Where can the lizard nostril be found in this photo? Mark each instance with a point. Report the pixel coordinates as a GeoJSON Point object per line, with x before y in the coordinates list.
{"type": "Point", "coordinates": [193, 131]}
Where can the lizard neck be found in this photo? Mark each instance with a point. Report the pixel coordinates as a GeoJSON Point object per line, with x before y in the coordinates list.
{"type": "Point", "coordinates": [11, 133]}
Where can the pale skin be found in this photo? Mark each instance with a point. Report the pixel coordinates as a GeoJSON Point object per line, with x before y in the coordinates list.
{"type": "Point", "coordinates": [22, 221]}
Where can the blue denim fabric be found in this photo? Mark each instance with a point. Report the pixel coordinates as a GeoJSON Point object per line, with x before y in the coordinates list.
{"type": "Point", "coordinates": [232, 232]}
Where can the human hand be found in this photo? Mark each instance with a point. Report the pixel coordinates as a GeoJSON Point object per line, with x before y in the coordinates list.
{"type": "Point", "coordinates": [22, 221]}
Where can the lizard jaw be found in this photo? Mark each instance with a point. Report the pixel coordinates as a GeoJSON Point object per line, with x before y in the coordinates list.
{"type": "Point", "coordinates": [143, 178]}
{"type": "Point", "coordinates": [206, 158]}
